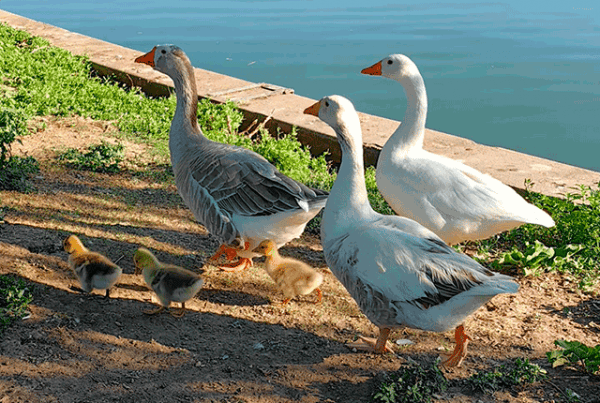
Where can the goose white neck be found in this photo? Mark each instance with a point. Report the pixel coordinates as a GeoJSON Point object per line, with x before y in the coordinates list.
{"type": "Point", "coordinates": [348, 201]}
{"type": "Point", "coordinates": [411, 132]}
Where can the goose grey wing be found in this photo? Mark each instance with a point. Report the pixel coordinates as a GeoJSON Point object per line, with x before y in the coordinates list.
{"type": "Point", "coordinates": [243, 182]}
{"type": "Point", "coordinates": [205, 208]}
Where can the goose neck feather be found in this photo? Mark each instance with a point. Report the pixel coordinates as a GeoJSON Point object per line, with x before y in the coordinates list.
{"type": "Point", "coordinates": [349, 189]}
{"type": "Point", "coordinates": [410, 133]}
{"type": "Point", "coordinates": [184, 127]}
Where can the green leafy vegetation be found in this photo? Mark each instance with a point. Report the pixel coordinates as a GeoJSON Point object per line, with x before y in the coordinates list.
{"type": "Point", "coordinates": [574, 352]}
{"type": "Point", "coordinates": [571, 247]}
{"type": "Point", "coordinates": [104, 157]}
{"type": "Point", "coordinates": [507, 376]}
{"type": "Point", "coordinates": [411, 384]}
{"type": "Point", "coordinates": [14, 171]}
{"type": "Point", "coordinates": [15, 297]}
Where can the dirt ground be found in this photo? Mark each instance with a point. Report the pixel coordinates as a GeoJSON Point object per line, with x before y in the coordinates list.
{"type": "Point", "coordinates": [236, 343]}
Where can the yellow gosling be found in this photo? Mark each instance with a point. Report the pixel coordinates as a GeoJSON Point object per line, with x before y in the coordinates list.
{"type": "Point", "coordinates": [94, 271]}
{"type": "Point", "coordinates": [170, 283]}
{"type": "Point", "coordinates": [291, 276]}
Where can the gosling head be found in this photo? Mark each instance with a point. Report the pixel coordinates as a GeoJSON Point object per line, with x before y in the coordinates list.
{"type": "Point", "coordinates": [73, 245]}
{"type": "Point", "coordinates": [143, 259]}
{"type": "Point", "coordinates": [266, 248]}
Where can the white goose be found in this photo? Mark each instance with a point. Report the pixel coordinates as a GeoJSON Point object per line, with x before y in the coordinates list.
{"type": "Point", "coordinates": [399, 272]}
{"type": "Point", "coordinates": [234, 192]}
{"type": "Point", "coordinates": [453, 200]}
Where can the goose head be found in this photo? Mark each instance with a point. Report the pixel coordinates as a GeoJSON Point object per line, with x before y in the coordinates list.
{"type": "Point", "coordinates": [339, 113]}
{"type": "Point", "coordinates": [397, 67]}
{"type": "Point", "coordinates": [167, 59]}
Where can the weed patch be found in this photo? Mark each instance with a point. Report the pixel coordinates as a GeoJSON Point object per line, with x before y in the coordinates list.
{"type": "Point", "coordinates": [15, 297]}
{"type": "Point", "coordinates": [507, 376]}
{"type": "Point", "coordinates": [575, 352]}
{"type": "Point", "coordinates": [104, 157]}
{"type": "Point", "coordinates": [412, 384]}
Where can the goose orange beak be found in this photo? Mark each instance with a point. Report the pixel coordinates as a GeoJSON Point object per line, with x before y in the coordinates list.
{"type": "Point", "coordinates": [313, 109]}
{"type": "Point", "coordinates": [147, 58]}
{"type": "Point", "coordinates": [374, 70]}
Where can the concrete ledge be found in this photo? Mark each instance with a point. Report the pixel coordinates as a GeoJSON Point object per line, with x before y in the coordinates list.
{"type": "Point", "coordinates": [285, 108]}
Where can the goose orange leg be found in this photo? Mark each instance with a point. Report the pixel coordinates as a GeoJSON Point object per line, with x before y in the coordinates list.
{"type": "Point", "coordinates": [460, 351]}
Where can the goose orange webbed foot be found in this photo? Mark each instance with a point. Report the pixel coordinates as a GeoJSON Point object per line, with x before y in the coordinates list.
{"type": "Point", "coordinates": [178, 313]}
{"type": "Point", "coordinates": [381, 345]}
{"type": "Point", "coordinates": [230, 253]}
{"type": "Point", "coordinates": [460, 351]}
{"type": "Point", "coordinates": [154, 311]}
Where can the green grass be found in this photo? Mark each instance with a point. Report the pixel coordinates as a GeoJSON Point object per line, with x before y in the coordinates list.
{"type": "Point", "coordinates": [520, 372]}
{"type": "Point", "coordinates": [571, 247]}
{"type": "Point", "coordinates": [15, 297]}
{"type": "Point", "coordinates": [14, 171]}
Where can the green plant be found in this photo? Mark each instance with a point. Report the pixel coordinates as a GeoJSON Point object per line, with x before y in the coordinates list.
{"type": "Point", "coordinates": [572, 246]}
{"type": "Point", "coordinates": [104, 157]}
{"type": "Point", "coordinates": [533, 258]}
{"type": "Point", "coordinates": [575, 352]}
{"type": "Point", "coordinates": [14, 171]}
{"type": "Point", "coordinates": [15, 296]}
{"type": "Point", "coordinates": [507, 376]}
{"type": "Point", "coordinates": [411, 383]}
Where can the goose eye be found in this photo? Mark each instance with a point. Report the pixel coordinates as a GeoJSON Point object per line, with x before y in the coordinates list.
{"type": "Point", "coordinates": [327, 103]}
{"type": "Point", "coordinates": [389, 62]}
{"type": "Point", "coordinates": [163, 51]}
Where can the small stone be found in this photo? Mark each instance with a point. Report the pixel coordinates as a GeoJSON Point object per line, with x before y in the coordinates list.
{"type": "Point", "coordinates": [259, 346]}
{"type": "Point", "coordinates": [404, 342]}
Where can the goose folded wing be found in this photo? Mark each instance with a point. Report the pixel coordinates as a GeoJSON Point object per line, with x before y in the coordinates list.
{"type": "Point", "coordinates": [403, 268]}
{"type": "Point", "coordinates": [242, 182]}
{"type": "Point", "coordinates": [457, 190]}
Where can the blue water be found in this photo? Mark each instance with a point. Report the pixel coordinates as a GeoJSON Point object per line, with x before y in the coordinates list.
{"type": "Point", "coordinates": [520, 75]}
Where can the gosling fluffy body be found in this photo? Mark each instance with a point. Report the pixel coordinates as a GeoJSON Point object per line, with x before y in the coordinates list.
{"type": "Point", "coordinates": [170, 283]}
{"type": "Point", "coordinates": [291, 276]}
{"type": "Point", "coordinates": [94, 271]}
